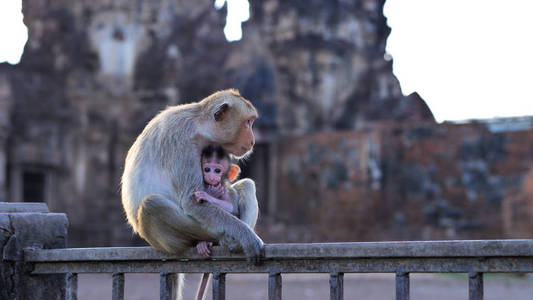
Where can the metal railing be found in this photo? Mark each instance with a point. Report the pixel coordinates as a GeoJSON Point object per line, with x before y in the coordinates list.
{"type": "Point", "coordinates": [401, 258]}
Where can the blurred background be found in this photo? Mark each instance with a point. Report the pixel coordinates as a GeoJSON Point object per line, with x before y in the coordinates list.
{"type": "Point", "coordinates": [347, 149]}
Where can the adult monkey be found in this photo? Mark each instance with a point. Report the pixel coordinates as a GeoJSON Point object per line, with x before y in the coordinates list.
{"type": "Point", "coordinates": [162, 172]}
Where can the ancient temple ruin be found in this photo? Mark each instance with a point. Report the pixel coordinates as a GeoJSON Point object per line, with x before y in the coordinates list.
{"type": "Point", "coordinates": [93, 73]}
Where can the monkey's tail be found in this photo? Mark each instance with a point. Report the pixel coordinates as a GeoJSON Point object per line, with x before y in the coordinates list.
{"type": "Point", "coordinates": [180, 282]}
{"type": "Point", "coordinates": [201, 288]}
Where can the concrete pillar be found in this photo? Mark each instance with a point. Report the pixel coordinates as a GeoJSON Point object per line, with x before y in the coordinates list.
{"type": "Point", "coordinates": [25, 225]}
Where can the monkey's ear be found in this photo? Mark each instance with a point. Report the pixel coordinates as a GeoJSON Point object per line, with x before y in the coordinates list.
{"type": "Point", "coordinates": [221, 111]}
{"type": "Point", "coordinates": [233, 172]}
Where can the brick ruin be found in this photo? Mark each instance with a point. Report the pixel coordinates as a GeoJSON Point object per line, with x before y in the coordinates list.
{"type": "Point", "coordinates": [407, 182]}
{"type": "Point", "coordinates": [341, 153]}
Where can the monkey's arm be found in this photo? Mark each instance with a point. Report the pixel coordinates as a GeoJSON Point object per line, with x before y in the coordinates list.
{"type": "Point", "coordinates": [227, 206]}
{"type": "Point", "coordinates": [247, 201]}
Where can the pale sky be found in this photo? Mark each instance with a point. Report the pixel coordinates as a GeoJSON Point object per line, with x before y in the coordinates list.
{"type": "Point", "coordinates": [468, 59]}
{"type": "Point", "coordinates": [13, 33]}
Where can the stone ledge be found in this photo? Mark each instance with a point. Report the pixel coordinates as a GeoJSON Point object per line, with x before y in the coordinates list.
{"type": "Point", "coordinates": [16, 207]}
{"type": "Point", "coordinates": [479, 248]}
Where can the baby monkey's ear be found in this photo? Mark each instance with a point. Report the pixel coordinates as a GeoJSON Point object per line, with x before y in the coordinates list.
{"type": "Point", "coordinates": [233, 172]}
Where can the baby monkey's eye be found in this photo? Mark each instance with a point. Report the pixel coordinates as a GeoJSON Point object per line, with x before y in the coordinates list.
{"type": "Point", "coordinates": [207, 170]}
{"type": "Point", "coordinates": [218, 171]}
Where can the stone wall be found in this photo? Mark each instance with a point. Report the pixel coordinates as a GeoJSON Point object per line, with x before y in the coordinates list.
{"type": "Point", "coordinates": [408, 182]}
{"type": "Point", "coordinates": [5, 128]}
{"type": "Point", "coordinates": [323, 66]}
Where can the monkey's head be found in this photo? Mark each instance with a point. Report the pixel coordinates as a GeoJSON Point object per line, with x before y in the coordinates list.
{"type": "Point", "coordinates": [227, 120]}
{"type": "Point", "coordinates": [216, 165]}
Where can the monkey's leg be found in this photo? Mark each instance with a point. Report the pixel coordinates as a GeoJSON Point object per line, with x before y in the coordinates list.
{"type": "Point", "coordinates": [159, 220]}
{"type": "Point", "coordinates": [226, 228]}
{"type": "Point", "coordinates": [161, 224]}
{"type": "Point", "coordinates": [248, 207]}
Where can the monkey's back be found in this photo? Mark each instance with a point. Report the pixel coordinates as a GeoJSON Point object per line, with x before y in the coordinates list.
{"type": "Point", "coordinates": [161, 160]}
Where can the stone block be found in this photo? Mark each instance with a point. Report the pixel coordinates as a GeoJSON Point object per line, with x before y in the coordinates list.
{"type": "Point", "coordinates": [19, 230]}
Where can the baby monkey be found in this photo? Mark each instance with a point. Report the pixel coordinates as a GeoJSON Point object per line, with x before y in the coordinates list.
{"type": "Point", "coordinates": [218, 173]}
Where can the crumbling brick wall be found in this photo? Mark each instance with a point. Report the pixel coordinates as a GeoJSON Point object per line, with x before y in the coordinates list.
{"type": "Point", "coordinates": [422, 181]}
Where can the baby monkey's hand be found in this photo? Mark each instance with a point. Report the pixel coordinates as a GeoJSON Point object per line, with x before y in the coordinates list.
{"type": "Point", "coordinates": [202, 196]}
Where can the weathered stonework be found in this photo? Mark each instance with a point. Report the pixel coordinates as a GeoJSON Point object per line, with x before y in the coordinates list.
{"type": "Point", "coordinates": [23, 226]}
{"type": "Point", "coordinates": [5, 128]}
{"type": "Point", "coordinates": [323, 66]}
{"type": "Point", "coordinates": [410, 182]}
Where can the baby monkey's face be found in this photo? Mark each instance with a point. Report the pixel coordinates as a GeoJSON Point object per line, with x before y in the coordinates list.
{"type": "Point", "coordinates": [214, 171]}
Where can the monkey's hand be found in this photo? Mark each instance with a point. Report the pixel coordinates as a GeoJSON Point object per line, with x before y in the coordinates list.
{"type": "Point", "coordinates": [249, 243]}
{"type": "Point", "coordinates": [254, 250]}
{"type": "Point", "coordinates": [203, 248]}
{"type": "Point", "coordinates": [201, 195]}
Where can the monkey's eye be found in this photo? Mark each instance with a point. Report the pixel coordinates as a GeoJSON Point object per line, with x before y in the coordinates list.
{"type": "Point", "coordinates": [207, 170]}
{"type": "Point", "coordinates": [218, 171]}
